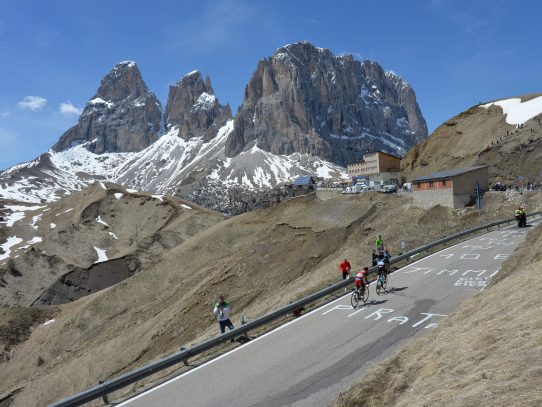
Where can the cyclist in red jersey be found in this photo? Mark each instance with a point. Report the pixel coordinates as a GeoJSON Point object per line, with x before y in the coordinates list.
{"type": "Point", "coordinates": [361, 277]}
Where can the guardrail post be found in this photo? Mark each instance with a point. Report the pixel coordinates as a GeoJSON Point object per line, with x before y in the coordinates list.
{"type": "Point", "coordinates": [185, 361]}
{"type": "Point", "coordinates": [243, 322]}
{"type": "Point", "coordinates": [104, 397]}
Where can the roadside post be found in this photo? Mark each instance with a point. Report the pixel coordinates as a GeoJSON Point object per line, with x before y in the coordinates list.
{"type": "Point", "coordinates": [478, 193]}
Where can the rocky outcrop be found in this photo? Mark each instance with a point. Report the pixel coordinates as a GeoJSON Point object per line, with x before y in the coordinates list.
{"type": "Point", "coordinates": [193, 107]}
{"type": "Point", "coordinates": [123, 116]}
{"type": "Point", "coordinates": [305, 99]}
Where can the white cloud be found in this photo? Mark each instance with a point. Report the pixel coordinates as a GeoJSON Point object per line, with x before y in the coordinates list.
{"type": "Point", "coordinates": [68, 109]}
{"type": "Point", "coordinates": [32, 103]}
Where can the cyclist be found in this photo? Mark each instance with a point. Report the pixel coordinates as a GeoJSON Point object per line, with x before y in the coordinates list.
{"type": "Point", "coordinates": [521, 217]}
{"type": "Point", "coordinates": [361, 278]}
{"type": "Point", "coordinates": [382, 265]}
{"type": "Point", "coordinates": [387, 257]}
{"type": "Point", "coordinates": [345, 268]}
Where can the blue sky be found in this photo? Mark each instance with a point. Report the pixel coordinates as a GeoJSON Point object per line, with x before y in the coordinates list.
{"type": "Point", "coordinates": [54, 53]}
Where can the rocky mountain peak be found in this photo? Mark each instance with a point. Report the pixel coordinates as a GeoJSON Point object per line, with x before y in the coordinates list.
{"type": "Point", "coordinates": [123, 116]}
{"type": "Point", "coordinates": [194, 109]}
{"type": "Point", "coordinates": [122, 82]}
{"type": "Point", "coordinates": [305, 99]}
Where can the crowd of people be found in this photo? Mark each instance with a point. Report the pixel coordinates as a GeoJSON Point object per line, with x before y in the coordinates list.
{"type": "Point", "coordinates": [528, 186]}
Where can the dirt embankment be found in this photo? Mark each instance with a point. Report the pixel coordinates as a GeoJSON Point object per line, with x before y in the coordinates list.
{"type": "Point", "coordinates": [488, 353]}
{"type": "Point", "coordinates": [480, 136]}
{"type": "Point", "coordinates": [260, 260]}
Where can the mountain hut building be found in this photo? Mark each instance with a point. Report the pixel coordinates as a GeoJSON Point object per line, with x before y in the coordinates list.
{"type": "Point", "coordinates": [452, 188]}
{"type": "Point", "coordinates": [378, 167]}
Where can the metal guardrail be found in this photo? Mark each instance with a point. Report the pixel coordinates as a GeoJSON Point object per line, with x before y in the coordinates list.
{"type": "Point", "coordinates": [103, 389]}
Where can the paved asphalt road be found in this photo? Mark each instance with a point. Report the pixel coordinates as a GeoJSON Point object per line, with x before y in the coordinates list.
{"type": "Point", "coordinates": [308, 361]}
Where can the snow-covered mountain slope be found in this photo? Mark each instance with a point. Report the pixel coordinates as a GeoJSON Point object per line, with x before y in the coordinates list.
{"type": "Point", "coordinates": [170, 165]}
{"type": "Point", "coordinates": [177, 162]}
{"type": "Point", "coordinates": [55, 174]}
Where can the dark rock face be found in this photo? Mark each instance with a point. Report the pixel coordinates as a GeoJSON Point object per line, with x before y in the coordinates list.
{"type": "Point", "coordinates": [123, 116]}
{"type": "Point", "coordinates": [193, 107]}
{"type": "Point", "coordinates": [304, 99]}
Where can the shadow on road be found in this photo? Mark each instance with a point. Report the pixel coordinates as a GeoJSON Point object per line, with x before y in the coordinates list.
{"type": "Point", "coordinates": [396, 289]}
{"type": "Point", "coordinates": [373, 302]}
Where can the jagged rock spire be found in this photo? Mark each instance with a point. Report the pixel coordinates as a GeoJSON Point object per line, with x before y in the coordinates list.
{"type": "Point", "coordinates": [123, 116]}
{"type": "Point", "coordinates": [193, 108]}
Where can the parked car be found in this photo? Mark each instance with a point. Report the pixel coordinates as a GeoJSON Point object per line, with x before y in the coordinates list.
{"type": "Point", "coordinates": [499, 187]}
{"type": "Point", "coordinates": [390, 189]}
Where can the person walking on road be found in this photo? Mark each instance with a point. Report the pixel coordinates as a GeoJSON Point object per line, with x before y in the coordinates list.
{"type": "Point", "coordinates": [345, 268]}
{"type": "Point", "coordinates": [222, 314]}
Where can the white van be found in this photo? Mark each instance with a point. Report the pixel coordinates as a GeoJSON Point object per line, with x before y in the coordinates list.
{"type": "Point", "coordinates": [356, 189]}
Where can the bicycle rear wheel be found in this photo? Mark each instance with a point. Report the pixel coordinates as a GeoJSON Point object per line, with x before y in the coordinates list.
{"type": "Point", "coordinates": [365, 294]}
{"type": "Point", "coordinates": [354, 299]}
{"type": "Point", "coordinates": [379, 288]}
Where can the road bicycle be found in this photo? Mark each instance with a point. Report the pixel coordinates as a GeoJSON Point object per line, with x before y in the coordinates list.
{"type": "Point", "coordinates": [381, 283]}
{"type": "Point", "coordinates": [359, 295]}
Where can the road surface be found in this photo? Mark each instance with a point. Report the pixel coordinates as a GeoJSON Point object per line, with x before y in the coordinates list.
{"type": "Point", "coordinates": [310, 360]}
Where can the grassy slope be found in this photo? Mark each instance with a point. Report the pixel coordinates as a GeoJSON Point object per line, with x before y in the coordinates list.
{"type": "Point", "coordinates": [488, 353]}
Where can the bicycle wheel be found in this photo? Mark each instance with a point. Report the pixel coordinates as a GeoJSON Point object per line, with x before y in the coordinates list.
{"type": "Point", "coordinates": [384, 282]}
{"type": "Point", "coordinates": [365, 294]}
{"type": "Point", "coordinates": [379, 288]}
{"type": "Point", "coordinates": [354, 299]}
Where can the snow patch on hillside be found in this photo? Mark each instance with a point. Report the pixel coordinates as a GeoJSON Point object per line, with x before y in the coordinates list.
{"type": "Point", "coordinates": [101, 255]}
{"type": "Point", "coordinates": [517, 112]}
{"type": "Point", "coordinates": [12, 241]}
{"type": "Point", "coordinates": [18, 213]}
{"type": "Point", "coordinates": [99, 220]}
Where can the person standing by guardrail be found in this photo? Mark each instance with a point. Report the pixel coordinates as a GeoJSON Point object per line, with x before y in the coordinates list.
{"type": "Point", "coordinates": [379, 244]}
{"type": "Point", "coordinates": [345, 268]}
{"type": "Point", "coordinates": [222, 314]}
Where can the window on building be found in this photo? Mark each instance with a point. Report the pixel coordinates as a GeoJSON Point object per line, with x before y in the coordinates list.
{"type": "Point", "coordinates": [430, 184]}
{"type": "Point", "coordinates": [444, 181]}
{"type": "Point", "coordinates": [418, 184]}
